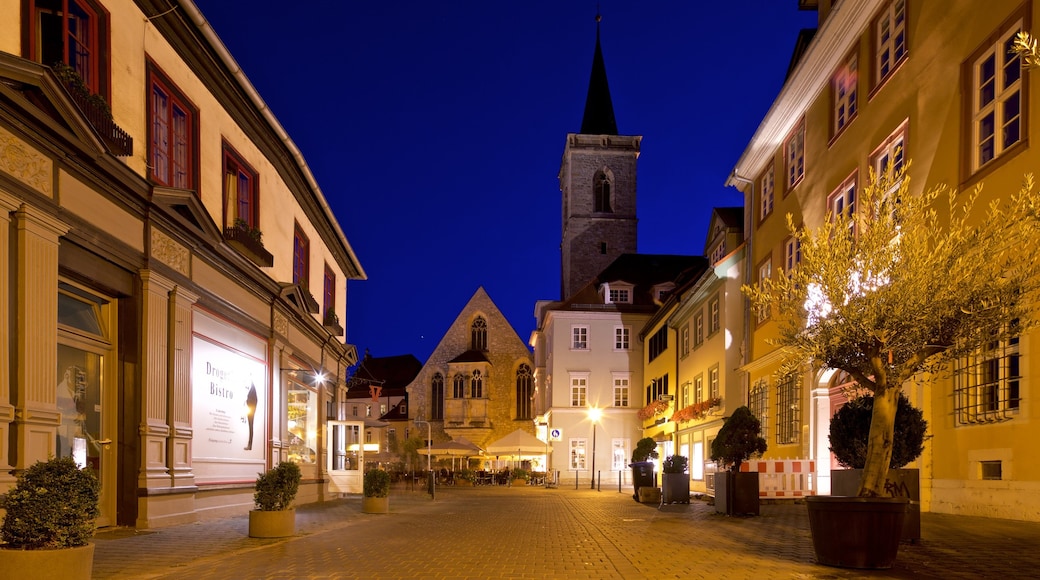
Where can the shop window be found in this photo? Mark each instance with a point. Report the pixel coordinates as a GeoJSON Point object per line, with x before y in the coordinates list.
{"type": "Point", "coordinates": [303, 422]}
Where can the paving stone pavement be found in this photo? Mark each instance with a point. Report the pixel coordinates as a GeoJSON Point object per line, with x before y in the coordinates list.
{"type": "Point", "coordinates": [531, 533]}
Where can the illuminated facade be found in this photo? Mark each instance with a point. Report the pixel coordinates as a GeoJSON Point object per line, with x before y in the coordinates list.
{"type": "Point", "coordinates": [885, 82]}
{"type": "Point", "coordinates": [174, 277]}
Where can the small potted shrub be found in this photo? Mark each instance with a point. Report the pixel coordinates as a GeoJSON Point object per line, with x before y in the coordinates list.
{"type": "Point", "coordinates": [675, 483]}
{"type": "Point", "coordinates": [519, 477]}
{"type": "Point", "coordinates": [376, 495]}
{"type": "Point", "coordinates": [738, 440]}
{"type": "Point", "coordinates": [49, 521]}
{"type": "Point", "coordinates": [643, 470]}
{"type": "Point", "coordinates": [274, 492]}
{"type": "Point", "coordinates": [465, 477]}
{"type": "Point", "coordinates": [849, 429]}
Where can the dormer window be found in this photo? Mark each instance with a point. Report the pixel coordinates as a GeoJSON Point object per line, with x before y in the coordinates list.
{"type": "Point", "coordinates": [617, 293]}
{"type": "Point", "coordinates": [661, 291]}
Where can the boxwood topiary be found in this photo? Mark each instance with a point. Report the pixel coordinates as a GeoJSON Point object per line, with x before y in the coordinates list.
{"type": "Point", "coordinates": [674, 464]}
{"type": "Point", "coordinates": [646, 448]}
{"type": "Point", "coordinates": [738, 440]}
{"type": "Point", "coordinates": [377, 483]}
{"type": "Point", "coordinates": [850, 428]}
{"type": "Point", "coordinates": [53, 505]}
{"type": "Point", "coordinates": [276, 488]}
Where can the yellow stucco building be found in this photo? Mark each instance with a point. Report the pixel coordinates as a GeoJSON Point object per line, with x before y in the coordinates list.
{"type": "Point", "coordinates": [889, 82]}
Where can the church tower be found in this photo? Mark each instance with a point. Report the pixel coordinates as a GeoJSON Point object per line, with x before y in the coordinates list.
{"type": "Point", "coordinates": [598, 183]}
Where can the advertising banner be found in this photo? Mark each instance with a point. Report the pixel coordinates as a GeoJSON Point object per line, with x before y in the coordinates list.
{"type": "Point", "coordinates": [229, 403]}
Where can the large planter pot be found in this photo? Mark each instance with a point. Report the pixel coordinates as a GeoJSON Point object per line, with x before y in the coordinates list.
{"type": "Point", "coordinates": [676, 487]}
{"type": "Point", "coordinates": [64, 564]}
{"type": "Point", "coordinates": [856, 532]}
{"type": "Point", "coordinates": [642, 476]}
{"type": "Point", "coordinates": [900, 483]}
{"type": "Point", "coordinates": [272, 524]}
{"type": "Point", "coordinates": [375, 505]}
{"type": "Point", "coordinates": [736, 493]}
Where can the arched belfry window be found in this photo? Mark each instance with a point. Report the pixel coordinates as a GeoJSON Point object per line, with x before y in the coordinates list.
{"type": "Point", "coordinates": [476, 385]}
{"type": "Point", "coordinates": [437, 397]}
{"type": "Point", "coordinates": [524, 392]}
{"type": "Point", "coordinates": [478, 334]}
{"type": "Point", "coordinates": [602, 189]}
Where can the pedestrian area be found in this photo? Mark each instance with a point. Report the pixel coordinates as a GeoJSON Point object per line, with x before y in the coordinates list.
{"type": "Point", "coordinates": [534, 532]}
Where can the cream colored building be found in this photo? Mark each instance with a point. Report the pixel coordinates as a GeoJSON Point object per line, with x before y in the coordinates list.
{"type": "Point", "coordinates": [174, 276]}
{"type": "Point", "coordinates": [898, 80]}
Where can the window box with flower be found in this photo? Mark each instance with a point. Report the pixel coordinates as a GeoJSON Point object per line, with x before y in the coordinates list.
{"type": "Point", "coordinates": [696, 411]}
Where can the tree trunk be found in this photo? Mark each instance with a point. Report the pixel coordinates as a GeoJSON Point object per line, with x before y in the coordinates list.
{"type": "Point", "coordinates": [879, 442]}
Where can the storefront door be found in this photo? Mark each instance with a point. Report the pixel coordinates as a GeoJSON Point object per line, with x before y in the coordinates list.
{"type": "Point", "coordinates": [86, 393]}
{"type": "Point", "coordinates": [346, 456]}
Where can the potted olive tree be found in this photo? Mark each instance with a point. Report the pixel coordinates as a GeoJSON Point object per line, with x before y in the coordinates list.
{"type": "Point", "coordinates": [643, 469]}
{"type": "Point", "coordinates": [675, 481]}
{"type": "Point", "coordinates": [376, 495]}
{"type": "Point", "coordinates": [274, 492]}
{"type": "Point", "coordinates": [849, 429]}
{"type": "Point", "coordinates": [883, 294]}
{"type": "Point", "coordinates": [49, 521]}
{"type": "Point", "coordinates": [739, 439]}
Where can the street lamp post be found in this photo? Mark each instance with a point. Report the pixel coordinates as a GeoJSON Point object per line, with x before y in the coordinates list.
{"type": "Point", "coordinates": [429, 443]}
{"type": "Point", "coordinates": [594, 416]}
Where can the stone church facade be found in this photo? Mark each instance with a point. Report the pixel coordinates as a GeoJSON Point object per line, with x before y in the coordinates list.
{"type": "Point", "coordinates": [478, 381]}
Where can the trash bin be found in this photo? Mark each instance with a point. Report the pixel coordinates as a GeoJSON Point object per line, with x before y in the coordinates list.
{"type": "Point", "coordinates": [642, 476]}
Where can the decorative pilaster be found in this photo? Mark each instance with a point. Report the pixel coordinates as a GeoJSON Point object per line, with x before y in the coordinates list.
{"type": "Point", "coordinates": [819, 431]}
{"type": "Point", "coordinates": [36, 333]}
{"type": "Point", "coordinates": [155, 380]}
{"type": "Point", "coordinates": [179, 395]}
{"type": "Point", "coordinates": [7, 205]}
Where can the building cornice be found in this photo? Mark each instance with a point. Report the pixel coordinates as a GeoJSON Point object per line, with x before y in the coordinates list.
{"type": "Point", "coordinates": [842, 28]}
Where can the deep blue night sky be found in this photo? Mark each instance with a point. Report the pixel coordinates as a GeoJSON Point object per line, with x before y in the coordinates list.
{"type": "Point", "coordinates": [436, 130]}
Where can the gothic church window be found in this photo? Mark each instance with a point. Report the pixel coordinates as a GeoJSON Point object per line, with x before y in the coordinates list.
{"type": "Point", "coordinates": [478, 334]}
{"type": "Point", "coordinates": [601, 187]}
{"type": "Point", "coordinates": [458, 387]}
{"type": "Point", "coordinates": [524, 392]}
{"type": "Point", "coordinates": [437, 396]}
{"type": "Point", "coordinates": [476, 386]}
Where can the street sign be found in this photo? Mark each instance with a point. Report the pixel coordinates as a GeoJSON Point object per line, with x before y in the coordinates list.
{"type": "Point", "coordinates": [555, 434]}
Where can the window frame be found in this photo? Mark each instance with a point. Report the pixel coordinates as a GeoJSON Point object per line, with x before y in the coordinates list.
{"type": "Point", "coordinates": [767, 192]}
{"type": "Point", "coordinates": [579, 390]}
{"type": "Point", "coordinates": [897, 44]}
{"type": "Point", "coordinates": [845, 93]}
{"type": "Point", "coordinates": [580, 337]}
{"type": "Point", "coordinates": [328, 291]}
{"type": "Point", "coordinates": [848, 196]}
{"type": "Point", "coordinates": [233, 164]}
{"type": "Point", "coordinates": [301, 257]}
{"type": "Point", "coordinates": [622, 390]}
{"type": "Point", "coordinates": [794, 156]}
{"type": "Point", "coordinates": [175, 99]}
{"type": "Point", "coordinates": [994, 47]}
{"type": "Point", "coordinates": [98, 66]}
{"type": "Point", "coordinates": [524, 392]}
{"type": "Point", "coordinates": [764, 272]}
{"type": "Point", "coordinates": [714, 315]}
{"type": "Point", "coordinates": [788, 410]}
{"type": "Point", "coordinates": [698, 329]}
{"type": "Point", "coordinates": [622, 338]}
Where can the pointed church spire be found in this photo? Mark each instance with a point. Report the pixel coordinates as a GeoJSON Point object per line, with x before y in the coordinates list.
{"type": "Point", "coordinates": [599, 111]}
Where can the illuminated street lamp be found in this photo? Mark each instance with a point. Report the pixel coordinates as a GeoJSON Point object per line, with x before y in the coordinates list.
{"type": "Point", "coordinates": [595, 414]}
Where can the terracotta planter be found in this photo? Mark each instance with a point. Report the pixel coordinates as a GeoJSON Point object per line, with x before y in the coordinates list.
{"type": "Point", "coordinates": [901, 482]}
{"type": "Point", "coordinates": [375, 505]}
{"type": "Point", "coordinates": [272, 524]}
{"type": "Point", "coordinates": [856, 532]}
{"type": "Point", "coordinates": [64, 564]}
